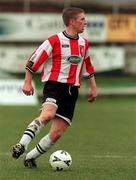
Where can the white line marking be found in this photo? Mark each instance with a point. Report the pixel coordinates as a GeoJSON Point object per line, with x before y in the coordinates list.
{"type": "Point", "coordinates": [113, 157]}
{"type": "Point", "coordinates": [93, 156]}
{"type": "Point", "coordinates": [5, 154]}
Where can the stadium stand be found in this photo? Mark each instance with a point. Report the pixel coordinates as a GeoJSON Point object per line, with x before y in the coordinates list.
{"type": "Point", "coordinates": [93, 7]}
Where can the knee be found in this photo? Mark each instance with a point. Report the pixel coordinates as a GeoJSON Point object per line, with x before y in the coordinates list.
{"type": "Point", "coordinates": [46, 117]}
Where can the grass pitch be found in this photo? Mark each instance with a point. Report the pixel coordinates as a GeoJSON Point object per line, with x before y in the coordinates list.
{"type": "Point", "coordinates": [101, 141]}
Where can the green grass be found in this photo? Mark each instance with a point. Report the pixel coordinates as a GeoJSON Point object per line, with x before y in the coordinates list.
{"type": "Point", "coordinates": [101, 141]}
{"type": "Point", "coordinates": [115, 81]}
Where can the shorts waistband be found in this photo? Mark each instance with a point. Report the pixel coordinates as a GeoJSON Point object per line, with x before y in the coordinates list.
{"type": "Point", "coordinates": [61, 83]}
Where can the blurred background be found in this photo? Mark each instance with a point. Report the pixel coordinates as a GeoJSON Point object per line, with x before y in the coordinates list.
{"type": "Point", "coordinates": [111, 31]}
{"type": "Point", "coordinates": [102, 138]}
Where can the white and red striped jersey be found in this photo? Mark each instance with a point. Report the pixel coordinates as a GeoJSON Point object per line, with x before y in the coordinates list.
{"type": "Point", "coordinates": [62, 59]}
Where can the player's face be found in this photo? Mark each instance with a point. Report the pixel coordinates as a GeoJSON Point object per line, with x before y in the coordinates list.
{"type": "Point", "coordinates": [79, 23]}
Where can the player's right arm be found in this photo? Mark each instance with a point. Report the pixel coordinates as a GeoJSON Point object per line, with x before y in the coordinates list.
{"type": "Point", "coordinates": [38, 57]}
{"type": "Point", "coordinates": [27, 87]}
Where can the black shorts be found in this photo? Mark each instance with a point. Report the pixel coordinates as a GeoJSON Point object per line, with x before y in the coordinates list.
{"type": "Point", "coordinates": [64, 96]}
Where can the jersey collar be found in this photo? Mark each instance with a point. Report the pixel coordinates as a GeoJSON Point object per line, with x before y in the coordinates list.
{"type": "Point", "coordinates": [70, 37]}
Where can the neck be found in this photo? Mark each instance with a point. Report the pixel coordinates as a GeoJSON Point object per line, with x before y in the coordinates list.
{"type": "Point", "coordinates": [71, 33]}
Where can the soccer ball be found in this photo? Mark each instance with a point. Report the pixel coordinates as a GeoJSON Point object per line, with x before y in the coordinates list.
{"type": "Point", "coordinates": [60, 160]}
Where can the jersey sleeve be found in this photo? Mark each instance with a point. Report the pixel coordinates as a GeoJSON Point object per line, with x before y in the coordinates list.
{"type": "Point", "coordinates": [88, 69]}
{"type": "Point", "coordinates": [39, 56]}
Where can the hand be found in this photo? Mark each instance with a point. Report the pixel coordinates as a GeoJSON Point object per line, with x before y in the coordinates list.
{"type": "Point", "coordinates": [92, 95]}
{"type": "Point", "coordinates": [28, 89]}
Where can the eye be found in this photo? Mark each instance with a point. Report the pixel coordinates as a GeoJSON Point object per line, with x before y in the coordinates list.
{"type": "Point", "coordinates": [83, 19]}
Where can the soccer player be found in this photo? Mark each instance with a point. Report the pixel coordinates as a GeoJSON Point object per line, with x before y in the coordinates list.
{"type": "Point", "coordinates": [62, 57]}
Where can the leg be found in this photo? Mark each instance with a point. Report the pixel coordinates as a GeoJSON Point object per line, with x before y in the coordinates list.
{"type": "Point", "coordinates": [48, 113]}
{"type": "Point", "coordinates": [58, 128]}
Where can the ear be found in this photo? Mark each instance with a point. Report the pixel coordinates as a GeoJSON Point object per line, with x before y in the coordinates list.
{"type": "Point", "coordinates": [71, 21]}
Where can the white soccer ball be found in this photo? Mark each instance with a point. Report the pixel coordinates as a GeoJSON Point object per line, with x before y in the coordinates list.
{"type": "Point", "coordinates": [60, 160]}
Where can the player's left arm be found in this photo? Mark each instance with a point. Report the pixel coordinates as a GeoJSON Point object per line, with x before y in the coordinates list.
{"type": "Point", "coordinates": [93, 89]}
{"type": "Point", "coordinates": [89, 73]}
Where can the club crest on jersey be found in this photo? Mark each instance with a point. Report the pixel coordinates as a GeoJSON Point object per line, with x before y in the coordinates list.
{"type": "Point", "coordinates": [81, 48]}
{"type": "Point", "coordinates": [74, 59]}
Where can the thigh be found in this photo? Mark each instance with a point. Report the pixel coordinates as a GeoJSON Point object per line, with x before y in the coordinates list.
{"type": "Point", "coordinates": [52, 93]}
{"type": "Point", "coordinates": [48, 112]}
{"type": "Point", "coordinates": [63, 96]}
{"type": "Point", "coordinates": [67, 105]}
